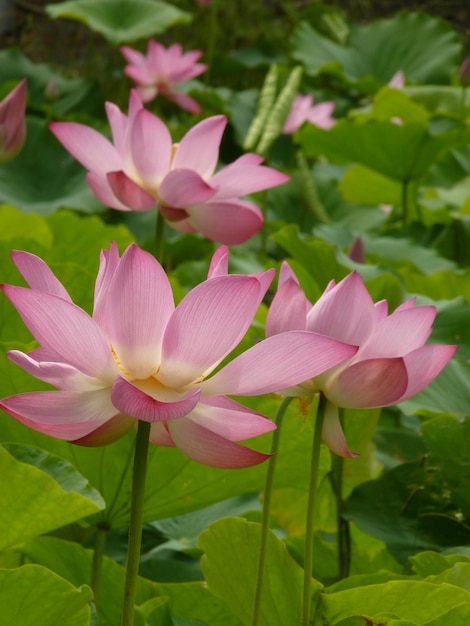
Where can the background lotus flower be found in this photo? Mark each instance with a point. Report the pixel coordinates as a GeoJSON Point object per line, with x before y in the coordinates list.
{"type": "Point", "coordinates": [141, 358]}
{"type": "Point", "coordinates": [12, 122]}
{"type": "Point", "coordinates": [143, 167]}
{"type": "Point", "coordinates": [161, 69]}
{"type": "Point", "coordinates": [303, 110]}
{"type": "Point", "coordinates": [392, 363]}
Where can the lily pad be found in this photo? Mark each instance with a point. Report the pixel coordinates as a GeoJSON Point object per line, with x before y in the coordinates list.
{"type": "Point", "coordinates": [121, 21]}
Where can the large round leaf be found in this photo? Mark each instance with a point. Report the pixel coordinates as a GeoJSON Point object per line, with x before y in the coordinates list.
{"type": "Point", "coordinates": [43, 177]}
{"type": "Point", "coordinates": [407, 42]}
{"type": "Point", "coordinates": [121, 21]}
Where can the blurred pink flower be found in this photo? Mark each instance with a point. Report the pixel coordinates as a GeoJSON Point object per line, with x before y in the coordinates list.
{"type": "Point", "coordinates": [302, 110]}
{"type": "Point", "coordinates": [161, 69]}
{"type": "Point", "coordinates": [398, 80]}
{"type": "Point", "coordinates": [141, 358]}
{"type": "Point", "coordinates": [12, 122]}
{"type": "Point", "coordinates": [392, 363]}
{"type": "Point", "coordinates": [144, 168]}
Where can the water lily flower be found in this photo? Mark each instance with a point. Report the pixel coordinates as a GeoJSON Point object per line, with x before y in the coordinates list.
{"type": "Point", "coordinates": [138, 357]}
{"type": "Point", "coordinates": [144, 167]}
{"type": "Point", "coordinates": [392, 363]}
{"type": "Point", "coordinates": [303, 110]}
{"type": "Point", "coordinates": [158, 71]}
{"type": "Point", "coordinates": [12, 122]}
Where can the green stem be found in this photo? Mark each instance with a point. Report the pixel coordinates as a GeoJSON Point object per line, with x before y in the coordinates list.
{"type": "Point", "coordinates": [98, 553]}
{"type": "Point", "coordinates": [268, 488]}
{"type": "Point", "coordinates": [314, 467]}
{"type": "Point", "coordinates": [135, 525]}
{"type": "Point", "coordinates": [159, 237]}
{"type": "Point", "coordinates": [342, 524]}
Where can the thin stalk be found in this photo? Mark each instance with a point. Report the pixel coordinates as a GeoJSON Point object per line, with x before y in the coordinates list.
{"type": "Point", "coordinates": [159, 237]}
{"type": "Point", "coordinates": [342, 524]}
{"type": "Point", "coordinates": [268, 487]}
{"type": "Point", "coordinates": [98, 553]}
{"type": "Point", "coordinates": [135, 525]}
{"type": "Point", "coordinates": [314, 467]}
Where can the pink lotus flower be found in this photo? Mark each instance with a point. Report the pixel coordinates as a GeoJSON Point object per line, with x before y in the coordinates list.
{"type": "Point", "coordinates": [141, 358]}
{"type": "Point", "coordinates": [143, 168]}
{"type": "Point", "coordinates": [302, 110]}
{"type": "Point", "coordinates": [392, 363]}
{"type": "Point", "coordinates": [12, 122]}
{"type": "Point", "coordinates": [161, 69]}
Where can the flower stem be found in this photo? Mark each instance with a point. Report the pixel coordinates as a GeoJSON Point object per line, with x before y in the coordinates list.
{"type": "Point", "coordinates": [98, 552]}
{"type": "Point", "coordinates": [135, 526]}
{"type": "Point", "coordinates": [342, 524]}
{"type": "Point", "coordinates": [314, 467]}
{"type": "Point", "coordinates": [159, 237]}
{"type": "Point", "coordinates": [268, 487]}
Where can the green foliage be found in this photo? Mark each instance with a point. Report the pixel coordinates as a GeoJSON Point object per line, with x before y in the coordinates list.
{"type": "Point", "coordinates": [41, 492]}
{"type": "Point", "coordinates": [38, 597]}
{"type": "Point", "coordinates": [236, 541]}
{"type": "Point", "coordinates": [121, 21]}
{"type": "Point", "coordinates": [377, 50]}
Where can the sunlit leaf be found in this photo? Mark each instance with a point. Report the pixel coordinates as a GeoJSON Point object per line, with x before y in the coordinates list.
{"type": "Point", "coordinates": [230, 565]}
{"type": "Point", "coordinates": [32, 595]}
{"type": "Point", "coordinates": [40, 493]}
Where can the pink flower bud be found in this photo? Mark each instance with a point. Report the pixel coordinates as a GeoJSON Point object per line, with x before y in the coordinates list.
{"type": "Point", "coordinates": [12, 123]}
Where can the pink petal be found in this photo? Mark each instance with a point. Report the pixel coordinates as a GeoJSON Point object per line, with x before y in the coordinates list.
{"type": "Point", "coordinates": [206, 325]}
{"type": "Point", "coordinates": [204, 446]}
{"type": "Point", "coordinates": [333, 434]}
{"type": "Point", "coordinates": [184, 188]}
{"type": "Point", "coordinates": [109, 432]}
{"type": "Point", "coordinates": [184, 101]}
{"type": "Point", "coordinates": [136, 403]}
{"type": "Point", "coordinates": [151, 148]}
{"type": "Point", "coordinates": [62, 414]}
{"type": "Point", "coordinates": [160, 436]}
{"type": "Point", "coordinates": [286, 273]}
{"type": "Point", "coordinates": [199, 148]}
{"type": "Point", "coordinates": [132, 56]}
{"type": "Point", "coordinates": [119, 128]}
{"type": "Point", "coordinates": [61, 375]}
{"type": "Point", "coordinates": [38, 274]}
{"type": "Point", "coordinates": [369, 384]}
{"type": "Point", "coordinates": [320, 115]}
{"type": "Point", "coordinates": [345, 312]}
{"type": "Point", "coordinates": [109, 260]}
{"type": "Point", "coordinates": [89, 147]}
{"type": "Point", "coordinates": [230, 223]}
{"type": "Point", "coordinates": [219, 263]}
{"type": "Point", "coordinates": [423, 365]}
{"type": "Point", "coordinates": [140, 303]}
{"type": "Point", "coordinates": [277, 363]}
{"type": "Point", "coordinates": [100, 187]}
{"type": "Point", "coordinates": [229, 419]}
{"type": "Point", "coordinates": [288, 310]}
{"type": "Point", "coordinates": [241, 178]}
{"type": "Point", "coordinates": [66, 329]}
{"type": "Point", "coordinates": [400, 333]}
{"type": "Point", "coordinates": [130, 193]}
